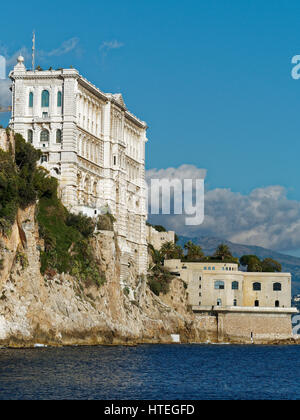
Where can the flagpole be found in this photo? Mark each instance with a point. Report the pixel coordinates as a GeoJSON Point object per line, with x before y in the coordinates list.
{"type": "Point", "coordinates": [33, 51]}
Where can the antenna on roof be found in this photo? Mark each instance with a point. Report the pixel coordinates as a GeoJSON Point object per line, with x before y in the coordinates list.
{"type": "Point", "coordinates": [33, 50]}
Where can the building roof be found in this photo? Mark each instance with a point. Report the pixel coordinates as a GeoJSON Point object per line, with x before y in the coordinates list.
{"type": "Point", "coordinates": [117, 98]}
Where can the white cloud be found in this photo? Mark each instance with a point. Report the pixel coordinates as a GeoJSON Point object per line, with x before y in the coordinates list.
{"type": "Point", "coordinates": [64, 48]}
{"type": "Point", "coordinates": [111, 45]}
{"type": "Point", "coordinates": [265, 217]}
{"type": "Point", "coordinates": [11, 59]}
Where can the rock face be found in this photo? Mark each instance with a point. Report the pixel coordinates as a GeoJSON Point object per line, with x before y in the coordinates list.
{"type": "Point", "coordinates": [61, 311]}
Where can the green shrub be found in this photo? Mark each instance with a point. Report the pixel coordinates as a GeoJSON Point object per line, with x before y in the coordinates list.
{"type": "Point", "coordinates": [66, 246]}
{"type": "Point", "coordinates": [159, 280]}
{"type": "Point", "coordinates": [67, 249]}
{"type": "Point", "coordinates": [22, 259]}
{"type": "Point", "coordinates": [85, 225]}
{"type": "Point", "coordinates": [155, 286]}
{"type": "Point", "coordinates": [106, 222]}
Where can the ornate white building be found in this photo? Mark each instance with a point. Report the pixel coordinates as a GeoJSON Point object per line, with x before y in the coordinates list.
{"type": "Point", "coordinates": [92, 144]}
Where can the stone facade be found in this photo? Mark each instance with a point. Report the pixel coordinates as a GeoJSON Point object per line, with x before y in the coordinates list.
{"type": "Point", "coordinates": [157, 239]}
{"type": "Point", "coordinates": [6, 141]}
{"type": "Point", "coordinates": [247, 306]}
{"type": "Point", "coordinates": [92, 144]}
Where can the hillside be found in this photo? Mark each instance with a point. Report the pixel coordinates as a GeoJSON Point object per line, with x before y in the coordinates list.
{"type": "Point", "coordinates": [289, 263]}
{"type": "Point", "coordinates": [60, 272]}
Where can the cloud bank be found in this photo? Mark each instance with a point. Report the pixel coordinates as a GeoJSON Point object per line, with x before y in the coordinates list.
{"type": "Point", "coordinates": [265, 217]}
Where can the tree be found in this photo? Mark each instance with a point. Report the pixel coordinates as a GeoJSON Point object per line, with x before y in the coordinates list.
{"type": "Point", "coordinates": [194, 252]}
{"type": "Point", "coordinates": [160, 228]}
{"type": "Point", "coordinates": [156, 255]}
{"type": "Point", "coordinates": [171, 251]}
{"type": "Point", "coordinates": [271, 266]}
{"type": "Point", "coordinates": [252, 262]}
{"type": "Point", "coordinates": [223, 252]}
{"type": "Point", "coordinates": [159, 278]}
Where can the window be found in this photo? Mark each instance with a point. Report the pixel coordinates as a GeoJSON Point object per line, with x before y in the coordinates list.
{"type": "Point", "coordinates": [59, 99]}
{"type": "Point", "coordinates": [44, 158]}
{"type": "Point", "coordinates": [219, 285]}
{"type": "Point", "coordinates": [199, 277]}
{"type": "Point", "coordinates": [219, 302]}
{"type": "Point", "coordinates": [214, 268]}
{"type": "Point", "coordinates": [115, 160]}
{"type": "Point", "coordinates": [277, 287]}
{"type": "Point", "coordinates": [45, 99]}
{"type": "Point", "coordinates": [235, 285]}
{"type": "Point", "coordinates": [257, 286]}
{"type": "Point", "coordinates": [235, 302]}
{"type": "Point", "coordinates": [45, 115]}
{"type": "Point", "coordinates": [30, 136]}
{"type": "Point", "coordinates": [44, 135]}
{"type": "Point", "coordinates": [256, 303]}
{"type": "Point", "coordinates": [58, 136]}
{"type": "Point", "coordinates": [277, 304]}
{"type": "Point", "coordinates": [30, 104]}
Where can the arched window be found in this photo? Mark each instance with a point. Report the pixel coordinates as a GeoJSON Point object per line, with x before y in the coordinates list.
{"type": "Point", "coordinates": [44, 135]}
{"type": "Point", "coordinates": [277, 304]}
{"type": "Point", "coordinates": [30, 104]}
{"type": "Point", "coordinates": [219, 302]}
{"type": "Point", "coordinates": [59, 101]}
{"type": "Point", "coordinates": [257, 286]}
{"type": "Point", "coordinates": [235, 302]}
{"type": "Point", "coordinates": [45, 99]}
{"type": "Point", "coordinates": [277, 287]}
{"type": "Point", "coordinates": [219, 285]}
{"type": "Point", "coordinates": [256, 303]}
{"type": "Point", "coordinates": [30, 136]}
{"type": "Point", "coordinates": [235, 285]}
{"type": "Point", "coordinates": [58, 136]}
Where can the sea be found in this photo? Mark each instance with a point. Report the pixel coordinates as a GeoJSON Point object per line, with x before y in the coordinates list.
{"type": "Point", "coordinates": [151, 372]}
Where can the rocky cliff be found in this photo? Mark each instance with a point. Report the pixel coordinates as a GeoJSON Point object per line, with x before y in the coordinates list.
{"type": "Point", "coordinates": [60, 310]}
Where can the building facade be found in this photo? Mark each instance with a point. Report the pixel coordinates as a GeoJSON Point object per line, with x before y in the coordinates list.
{"type": "Point", "coordinates": [248, 306]}
{"type": "Point", "coordinates": [157, 239]}
{"type": "Point", "coordinates": [92, 144]}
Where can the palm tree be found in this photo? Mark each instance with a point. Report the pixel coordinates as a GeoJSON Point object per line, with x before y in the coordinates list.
{"type": "Point", "coordinates": [171, 251]}
{"type": "Point", "coordinates": [194, 252]}
{"type": "Point", "coordinates": [223, 252]}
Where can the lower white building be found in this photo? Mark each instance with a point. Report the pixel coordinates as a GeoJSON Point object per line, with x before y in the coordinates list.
{"type": "Point", "coordinates": [92, 144]}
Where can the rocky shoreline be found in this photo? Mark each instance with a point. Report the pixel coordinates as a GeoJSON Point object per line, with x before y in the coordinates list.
{"type": "Point", "coordinates": [59, 311]}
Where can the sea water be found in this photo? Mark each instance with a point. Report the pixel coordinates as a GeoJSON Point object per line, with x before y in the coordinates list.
{"type": "Point", "coordinates": [170, 372]}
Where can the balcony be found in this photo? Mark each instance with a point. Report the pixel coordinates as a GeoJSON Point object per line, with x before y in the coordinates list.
{"type": "Point", "coordinates": [45, 118]}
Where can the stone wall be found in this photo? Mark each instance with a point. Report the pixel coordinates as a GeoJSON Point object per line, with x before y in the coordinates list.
{"type": "Point", "coordinates": [253, 327]}
{"type": "Point", "coordinates": [6, 141]}
{"type": "Point", "coordinates": [157, 239]}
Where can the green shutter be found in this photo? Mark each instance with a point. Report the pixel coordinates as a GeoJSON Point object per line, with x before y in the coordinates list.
{"type": "Point", "coordinates": [30, 100]}
{"type": "Point", "coordinates": [59, 99]}
{"type": "Point", "coordinates": [45, 99]}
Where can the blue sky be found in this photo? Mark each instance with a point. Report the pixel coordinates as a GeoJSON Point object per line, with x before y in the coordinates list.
{"type": "Point", "coordinates": [211, 78]}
